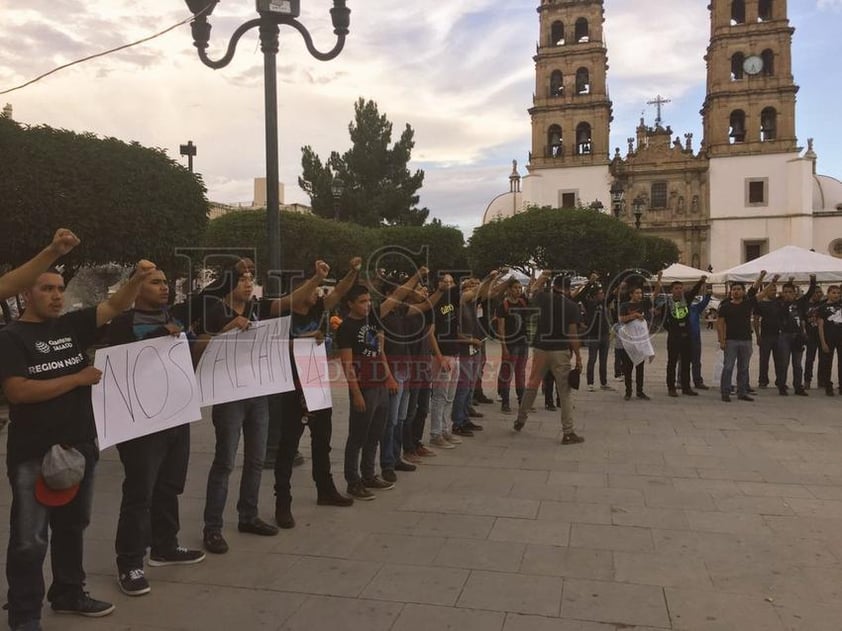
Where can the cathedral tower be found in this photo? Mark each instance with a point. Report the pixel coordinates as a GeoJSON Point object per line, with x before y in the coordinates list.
{"type": "Point", "coordinates": [750, 103]}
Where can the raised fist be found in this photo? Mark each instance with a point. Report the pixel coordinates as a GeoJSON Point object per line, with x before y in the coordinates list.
{"type": "Point", "coordinates": [322, 269]}
{"type": "Point", "coordinates": [63, 241]}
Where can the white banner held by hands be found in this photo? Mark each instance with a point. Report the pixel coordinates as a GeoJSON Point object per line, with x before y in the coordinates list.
{"type": "Point", "coordinates": [146, 387]}
{"type": "Point", "coordinates": [240, 365]}
{"type": "Point", "coordinates": [636, 341]}
{"type": "Point", "coordinates": [311, 364]}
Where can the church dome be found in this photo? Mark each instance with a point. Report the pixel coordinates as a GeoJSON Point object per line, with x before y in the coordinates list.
{"type": "Point", "coordinates": [827, 194]}
{"type": "Point", "coordinates": [503, 206]}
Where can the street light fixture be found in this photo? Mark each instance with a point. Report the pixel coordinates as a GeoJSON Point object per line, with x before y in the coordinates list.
{"type": "Point", "coordinates": [618, 194]}
{"type": "Point", "coordinates": [637, 206]}
{"type": "Point", "coordinates": [337, 187]}
{"type": "Point", "coordinates": [188, 150]}
{"type": "Point", "coordinates": [273, 13]}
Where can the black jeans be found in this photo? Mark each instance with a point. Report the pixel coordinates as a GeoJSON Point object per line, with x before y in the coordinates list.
{"type": "Point", "coordinates": [286, 412]}
{"type": "Point", "coordinates": [767, 347]}
{"type": "Point", "coordinates": [598, 349]}
{"type": "Point", "coordinates": [156, 469]}
{"type": "Point", "coordinates": [679, 354]}
{"type": "Point", "coordinates": [696, 360]}
{"type": "Point", "coordinates": [627, 373]}
{"type": "Point", "coordinates": [826, 362]}
{"type": "Point", "coordinates": [364, 431]}
{"type": "Point", "coordinates": [790, 349]}
{"type": "Point", "coordinates": [812, 351]}
{"type": "Point", "coordinates": [31, 526]}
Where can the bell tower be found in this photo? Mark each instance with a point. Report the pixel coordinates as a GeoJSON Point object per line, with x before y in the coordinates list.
{"type": "Point", "coordinates": [750, 104]}
{"type": "Point", "coordinates": [571, 110]}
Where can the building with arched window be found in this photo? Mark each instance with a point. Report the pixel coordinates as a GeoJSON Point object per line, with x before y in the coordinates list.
{"type": "Point", "coordinates": [747, 188]}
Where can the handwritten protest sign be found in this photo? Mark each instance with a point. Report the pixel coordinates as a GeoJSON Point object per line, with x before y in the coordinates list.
{"type": "Point", "coordinates": [146, 387]}
{"type": "Point", "coordinates": [634, 336]}
{"type": "Point", "coordinates": [311, 364]}
{"type": "Point", "coordinates": [244, 364]}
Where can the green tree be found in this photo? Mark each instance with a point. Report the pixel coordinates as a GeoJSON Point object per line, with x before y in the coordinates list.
{"type": "Point", "coordinates": [125, 201]}
{"type": "Point", "coordinates": [305, 238]}
{"type": "Point", "coordinates": [378, 189]}
{"type": "Point", "coordinates": [579, 239]}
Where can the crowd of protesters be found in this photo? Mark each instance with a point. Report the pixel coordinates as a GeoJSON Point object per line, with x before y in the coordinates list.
{"type": "Point", "coordinates": [413, 353]}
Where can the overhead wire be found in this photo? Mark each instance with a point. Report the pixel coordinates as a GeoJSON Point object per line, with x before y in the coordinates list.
{"type": "Point", "coordinates": [107, 52]}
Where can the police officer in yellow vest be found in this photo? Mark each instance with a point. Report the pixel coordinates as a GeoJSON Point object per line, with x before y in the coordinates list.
{"type": "Point", "coordinates": [675, 311]}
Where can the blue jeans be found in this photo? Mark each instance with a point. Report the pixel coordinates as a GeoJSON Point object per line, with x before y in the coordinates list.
{"type": "Point", "coordinates": [29, 526]}
{"type": "Point", "coordinates": [790, 349]}
{"type": "Point", "coordinates": [739, 352]}
{"type": "Point", "coordinates": [392, 440]}
{"type": "Point", "coordinates": [251, 417]}
{"type": "Point", "coordinates": [469, 367]}
{"type": "Point", "coordinates": [696, 360]}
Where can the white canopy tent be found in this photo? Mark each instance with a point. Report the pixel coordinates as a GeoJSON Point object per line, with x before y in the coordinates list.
{"type": "Point", "coordinates": [683, 273]}
{"type": "Point", "coordinates": [787, 261]}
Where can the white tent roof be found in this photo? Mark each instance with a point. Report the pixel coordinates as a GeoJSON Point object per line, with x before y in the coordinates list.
{"type": "Point", "coordinates": [684, 273]}
{"type": "Point", "coordinates": [787, 261]}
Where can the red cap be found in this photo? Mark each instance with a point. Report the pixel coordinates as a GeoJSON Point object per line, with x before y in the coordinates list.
{"type": "Point", "coordinates": [51, 497]}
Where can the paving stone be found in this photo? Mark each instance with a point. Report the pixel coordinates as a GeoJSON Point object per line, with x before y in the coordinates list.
{"type": "Point", "coordinates": [502, 556]}
{"type": "Point", "coordinates": [356, 614]}
{"type": "Point", "coordinates": [585, 513]}
{"type": "Point", "coordinates": [417, 584]}
{"type": "Point", "coordinates": [428, 617]}
{"type": "Point", "coordinates": [564, 561]}
{"type": "Point", "coordinates": [665, 570]}
{"type": "Point", "coordinates": [696, 610]}
{"type": "Point", "coordinates": [614, 602]}
{"type": "Point", "coordinates": [531, 531]}
{"type": "Point", "coordinates": [625, 538]}
{"type": "Point", "coordinates": [522, 593]}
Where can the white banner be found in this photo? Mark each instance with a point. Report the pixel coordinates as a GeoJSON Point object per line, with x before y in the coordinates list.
{"type": "Point", "coordinates": [311, 363]}
{"type": "Point", "coordinates": [244, 364]}
{"type": "Point", "coordinates": [146, 387]}
{"type": "Point", "coordinates": [634, 336]}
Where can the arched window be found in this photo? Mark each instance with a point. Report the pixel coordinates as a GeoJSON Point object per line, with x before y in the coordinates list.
{"type": "Point", "coordinates": [582, 31]}
{"type": "Point", "coordinates": [738, 12]}
{"type": "Point", "coordinates": [768, 62]}
{"type": "Point", "coordinates": [737, 61]}
{"type": "Point", "coordinates": [764, 11]}
{"type": "Point", "coordinates": [768, 124]}
{"type": "Point", "coordinates": [557, 34]}
{"type": "Point", "coordinates": [737, 131]}
{"type": "Point", "coordinates": [584, 142]}
{"type": "Point", "coordinates": [555, 143]}
{"type": "Point", "coordinates": [583, 81]}
{"type": "Point", "coordinates": [556, 84]}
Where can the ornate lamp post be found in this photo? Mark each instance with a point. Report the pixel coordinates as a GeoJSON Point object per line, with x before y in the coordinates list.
{"type": "Point", "coordinates": [637, 207]}
{"type": "Point", "coordinates": [273, 13]}
{"type": "Point", "coordinates": [618, 194]}
{"type": "Point", "coordinates": [337, 187]}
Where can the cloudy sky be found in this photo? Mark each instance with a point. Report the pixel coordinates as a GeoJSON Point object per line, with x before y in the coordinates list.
{"type": "Point", "coordinates": [460, 72]}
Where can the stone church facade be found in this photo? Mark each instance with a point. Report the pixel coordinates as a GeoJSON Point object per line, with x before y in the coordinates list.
{"type": "Point", "coordinates": [746, 189]}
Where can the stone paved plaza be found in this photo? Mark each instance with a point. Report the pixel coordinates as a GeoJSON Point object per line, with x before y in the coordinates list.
{"type": "Point", "coordinates": [686, 514]}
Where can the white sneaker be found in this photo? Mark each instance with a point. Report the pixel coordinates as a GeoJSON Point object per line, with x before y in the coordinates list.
{"type": "Point", "coordinates": [441, 443]}
{"type": "Point", "coordinates": [591, 388]}
{"type": "Point", "coordinates": [453, 440]}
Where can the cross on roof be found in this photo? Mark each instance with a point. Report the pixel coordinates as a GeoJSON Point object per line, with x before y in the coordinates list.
{"type": "Point", "coordinates": [659, 102]}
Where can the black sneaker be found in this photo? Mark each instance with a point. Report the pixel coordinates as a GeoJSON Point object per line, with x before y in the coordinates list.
{"type": "Point", "coordinates": [177, 556]}
{"type": "Point", "coordinates": [518, 425]}
{"type": "Point", "coordinates": [474, 427]}
{"type": "Point", "coordinates": [829, 392]}
{"type": "Point", "coordinates": [283, 514]}
{"type": "Point", "coordinates": [644, 396]}
{"type": "Point", "coordinates": [472, 413]}
{"type": "Point", "coordinates": [672, 392]}
{"type": "Point", "coordinates": [572, 439]}
{"type": "Point", "coordinates": [358, 491]}
{"type": "Point", "coordinates": [701, 386]}
{"type": "Point", "coordinates": [133, 582]}
{"type": "Point", "coordinates": [462, 431]}
{"type": "Point", "coordinates": [481, 398]}
{"type": "Point", "coordinates": [505, 408]}
{"type": "Point", "coordinates": [745, 397]}
{"type": "Point", "coordinates": [29, 625]}
{"type": "Point", "coordinates": [549, 407]}
{"type": "Point", "coordinates": [82, 605]}
{"type": "Point", "coordinates": [389, 475]}
{"type": "Point", "coordinates": [400, 465]}
{"type": "Point", "coordinates": [690, 393]}
{"type": "Point", "coordinates": [627, 396]}
{"type": "Point", "coordinates": [378, 484]}
{"type": "Point", "coordinates": [332, 497]}
{"type": "Point", "coordinates": [214, 542]}
{"type": "Point", "coordinates": [801, 392]}
{"type": "Point", "coordinates": [257, 527]}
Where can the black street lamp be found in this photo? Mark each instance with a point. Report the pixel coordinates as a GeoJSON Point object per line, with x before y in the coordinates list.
{"type": "Point", "coordinates": [337, 187]}
{"type": "Point", "coordinates": [618, 194]}
{"type": "Point", "coordinates": [188, 150]}
{"type": "Point", "coordinates": [637, 207]}
{"type": "Point", "coordinates": [273, 13]}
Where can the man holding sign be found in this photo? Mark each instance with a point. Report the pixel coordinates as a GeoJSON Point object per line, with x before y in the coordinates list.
{"type": "Point", "coordinates": [52, 449]}
{"type": "Point", "coordinates": [155, 465]}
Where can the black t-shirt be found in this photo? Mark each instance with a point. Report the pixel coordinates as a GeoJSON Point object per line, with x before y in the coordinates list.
{"type": "Point", "coordinates": [831, 313]}
{"type": "Point", "coordinates": [515, 317]}
{"type": "Point", "coordinates": [43, 351]}
{"type": "Point", "coordinates": [555, 315]}
{"type": "Point", "coordinates": [769, 313]}
{"type": "Point", "coordinates": [305, 324]}
{"type": "Point", "coordinates": [737, 318]}
{"type": "Point", "coordinates": [361, 336]}
{"type": "Point", "coordinates": [137, 324]}
{"type": "Point", "coordinates": [597, 318]}
{"type": "Point", "coordinates": [629, 307]}
{"type": "Point", "coordinates": [396, 333]}
{"type": "Point", "coordinates": [469, 326]}
{"type": "Point", "coordinates": [220, 314]}
{"type": "Point", "coordinates": [446, 320]}
{"type": "Point", "coordinates": [791, 316]}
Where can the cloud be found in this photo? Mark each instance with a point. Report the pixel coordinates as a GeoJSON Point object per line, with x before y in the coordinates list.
{"type": "Point", "coordinates": [834, 5]}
